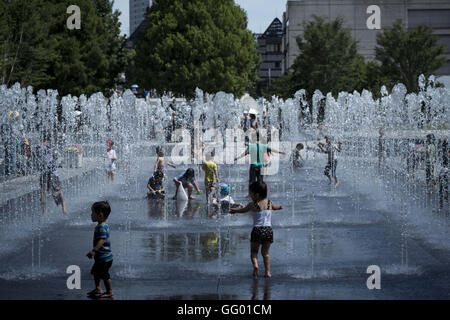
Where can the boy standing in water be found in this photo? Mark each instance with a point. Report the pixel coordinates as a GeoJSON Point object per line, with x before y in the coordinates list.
{"type": "Point", "coordinates": [49, 178]}
{"type": "Point", "coordinates": [330, 149]}
{"type": "Point", "coordinates": [297, 159]}
{"type": "Point", "coordinates": [262, 233]}
{"type": "Point", "coordinates": [102, 250]}
{"type": "Point", "coordinates": [160, 161]}
{"type": "Point", "coordinates": [111, 153]}
{"type": "Point", "coordinates": [211, 176]}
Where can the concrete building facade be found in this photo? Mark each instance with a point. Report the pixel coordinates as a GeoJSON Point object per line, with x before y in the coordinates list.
{"type": "Point", "coordinates": [138, 8]}
{"type": "Point", "coordinates": [270, 50]}
{"type": "Point", "coordinates": [433, 13]}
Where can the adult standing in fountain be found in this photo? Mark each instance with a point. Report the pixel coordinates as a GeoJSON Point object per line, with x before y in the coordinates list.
{"type": "Point", "coordinates": [257, 151]}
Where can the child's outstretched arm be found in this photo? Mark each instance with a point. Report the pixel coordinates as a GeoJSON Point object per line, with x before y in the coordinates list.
{"type": "Point", "coordinates": [276, 207]}
{"type": "Point", "coordinates": [242, 155]}
{"type": "Point", "coordinates": [242, 210]}
{"type": "Point", "coordinates": [170, 164]}
{"type": "Point", "coordinates": [277, 151]}
{"type": "Point", "coordinates": [196, 187]}
{"type": "Point", "coordinates": [321, 149]}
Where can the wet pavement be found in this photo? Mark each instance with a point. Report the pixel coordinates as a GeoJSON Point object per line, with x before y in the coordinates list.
{"type": "Point", "coordinates": [324, 240]}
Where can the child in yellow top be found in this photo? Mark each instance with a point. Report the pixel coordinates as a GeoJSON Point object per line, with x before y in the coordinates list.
{"type": "Point", "coordinates": [211, 176]}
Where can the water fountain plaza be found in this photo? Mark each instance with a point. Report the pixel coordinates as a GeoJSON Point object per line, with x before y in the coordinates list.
{"type": "Point", "coordinates": [325, 237]}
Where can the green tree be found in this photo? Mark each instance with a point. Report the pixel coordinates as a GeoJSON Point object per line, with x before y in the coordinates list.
{"type": "Point", "coordinates": [41, 51]}
{"type": "Point", "coordinates": [406, 54]}
{"type": "Point", "coordinates": [196, 43]}
{"type": "Point", "coordinates": [328, 59]}
{"type": "Point", "coordinates": [281, 87]}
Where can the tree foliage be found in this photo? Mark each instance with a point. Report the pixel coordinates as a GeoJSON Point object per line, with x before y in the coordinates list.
{"type": "Point", "coordinates": [39, 50]}
{"type": "Point", "coordinates": [406, 54]}
{"type": "Point", "coordinates": [195, 43]}
{"type": "Point", "coordinates": [328, 59]}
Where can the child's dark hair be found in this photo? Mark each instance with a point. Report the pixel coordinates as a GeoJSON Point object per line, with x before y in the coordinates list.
{"type": "Point", "coordinates": [259, 187]}
{"type": "Point", "coordinates": [189, 173]}
{"type": "Point", "coordinates": [299, 146]}
{"type": "Point", "coordinates": [103, 207]}
{"type": "Point", "coordinates": [158, 175]}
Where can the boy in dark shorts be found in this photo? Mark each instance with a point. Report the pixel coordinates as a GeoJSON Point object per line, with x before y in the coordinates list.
{"type": "Point", "coordinates": [330, 149]}
{"type": "Point", "coordinates": [49, 178]}
{"type": "Point", "coordinates": [101, 251]}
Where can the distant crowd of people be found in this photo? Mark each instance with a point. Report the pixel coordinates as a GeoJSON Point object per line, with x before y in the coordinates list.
{"type": "Point", "coordinates": [417, 153]}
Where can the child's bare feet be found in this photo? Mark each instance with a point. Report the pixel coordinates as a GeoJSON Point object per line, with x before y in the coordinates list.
{"type": "Point", "coordinates": [267, 275]}
{"type": "Point", "coordinates": [191, 198]}
{"type": "Point", "coordinates": [336, 184]}
{"type": "Point", "coordinates": [255, 272]}
{"type": "Point", "coordinates": [95, 292]}
{"type": "Point", "coordinates": [107, 295]}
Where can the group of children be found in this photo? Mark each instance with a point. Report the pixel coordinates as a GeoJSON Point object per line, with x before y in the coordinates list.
{"type": "Point", "coordinates": [260, 206]}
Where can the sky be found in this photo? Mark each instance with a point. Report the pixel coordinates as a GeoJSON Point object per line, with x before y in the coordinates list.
{"type": "Point", "coordinates": [260, 13]}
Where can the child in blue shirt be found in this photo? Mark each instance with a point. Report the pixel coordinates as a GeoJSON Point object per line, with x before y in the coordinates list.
{"type": "Point", "coordinates": [187, 180]}
{"type": "Point", "coordinates": [101, 251]}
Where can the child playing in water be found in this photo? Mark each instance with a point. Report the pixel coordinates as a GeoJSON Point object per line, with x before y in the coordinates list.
{"type": "Point", "coordinates": [297, 159]}
{"type": "Point", "coordinates": [111, 153]}
{"type": "Point", "coordinates": [262, 233]}
{"type": "Point", "coordinates": [49, 178]}
{"type": "Point", "coordinates": [101, 251]}
{"type": "Point", "coordinates": [155, 187]}
{"type": "Point", "coordinates": [227, 202]}
{"type": "Point", "coordinates": [330, 149]}
{"type": "Point", "coordinates": [187, 180]}
{"type": "Point", "coordinates": [211, 176]}
{"type": "Point", "coordinates": [159, 165]}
